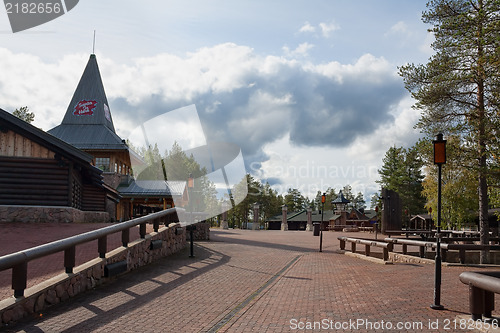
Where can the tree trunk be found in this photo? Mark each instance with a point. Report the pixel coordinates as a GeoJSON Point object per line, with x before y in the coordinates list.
{"type": "Point", "coordinates": [483, 184]}
{"type": "Point", "coordinates": [483, 219]}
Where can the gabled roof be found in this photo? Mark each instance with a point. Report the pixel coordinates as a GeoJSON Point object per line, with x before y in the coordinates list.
{"type": "Point", "coordinates": [357, 215]}
{"type": "Point", "coordinates": [59, 147]}
{"type": "Point", "coordinates": [11, 122]}
{"type": "Point", "coordinates": [421, 217]}
{"type": "Point", "coordinates": [152, 188]}
{"type": "Point", "coordinates": [87, 123]}
{"type": "Point", "coordinates": [370, 213]}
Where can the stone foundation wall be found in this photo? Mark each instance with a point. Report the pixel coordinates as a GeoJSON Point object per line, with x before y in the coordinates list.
{"type": "Point", "coordinates": [47, 214]}
{"type": "Point", "coordinates": [91, 274]}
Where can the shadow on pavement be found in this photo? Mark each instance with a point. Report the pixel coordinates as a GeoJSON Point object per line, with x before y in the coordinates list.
{"type": "Point", "coordinates": [131, 290]}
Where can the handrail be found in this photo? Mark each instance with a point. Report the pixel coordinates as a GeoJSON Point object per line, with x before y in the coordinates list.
{"type": "Point", "coordinates": [482, 289]}
{"type": "Point", "coordinates": [387, 247]}
{"type": "Point", "coordinates": [18, 261]}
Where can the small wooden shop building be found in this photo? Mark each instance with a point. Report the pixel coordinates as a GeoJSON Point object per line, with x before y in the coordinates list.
{"type": "Point", "coordinates": [38, 169]}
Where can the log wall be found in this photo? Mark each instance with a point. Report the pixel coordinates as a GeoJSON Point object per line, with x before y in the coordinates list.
{"type": "Point", "coordinates": [33, 181]}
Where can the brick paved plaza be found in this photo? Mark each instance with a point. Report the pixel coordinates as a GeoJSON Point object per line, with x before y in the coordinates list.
{"type": "Point", "coordinates": [264, 281]}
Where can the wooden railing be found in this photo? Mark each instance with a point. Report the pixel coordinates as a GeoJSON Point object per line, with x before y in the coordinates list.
{"type": "Point", "coordinates": [389, 245]}
{"type": "Point", "coordinates": [368, 243]}
{"type": "Point", "coordinates": [18, 261]}
{"type": "Point", "coordinates": [482, 289]}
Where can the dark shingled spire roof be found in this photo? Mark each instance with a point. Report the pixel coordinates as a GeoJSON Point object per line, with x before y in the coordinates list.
{"type": "Point", "coordinates": [340, 199]}
{"type": "Point", "coordinates": [87, 123]}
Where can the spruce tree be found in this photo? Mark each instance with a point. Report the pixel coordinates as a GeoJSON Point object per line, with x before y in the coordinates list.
{"type": "Point", "coordinates": [457, 91]}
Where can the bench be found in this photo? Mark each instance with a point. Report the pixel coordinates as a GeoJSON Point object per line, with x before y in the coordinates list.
{"type": "Point", "coordinates": [368, 243]}
{"type": "Point", "coordinates": [482, 289]}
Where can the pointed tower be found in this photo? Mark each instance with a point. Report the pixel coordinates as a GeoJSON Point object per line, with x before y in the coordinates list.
{"type": "Point", "coordinates": [88, 124]}
{"type": "Point", "coordinates": [340, 208]}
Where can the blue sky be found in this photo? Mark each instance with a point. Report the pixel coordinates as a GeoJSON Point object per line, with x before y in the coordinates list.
{"type": "Point", "coordinates": [308, 89]}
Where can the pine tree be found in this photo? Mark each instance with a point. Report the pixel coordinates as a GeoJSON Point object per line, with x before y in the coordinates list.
{"type": "Point", "coordinates": [401, 171]}
{"type": "Point", "coordinates": [457, 91]}
{"type": "Point", "coordinates": [24, 114]}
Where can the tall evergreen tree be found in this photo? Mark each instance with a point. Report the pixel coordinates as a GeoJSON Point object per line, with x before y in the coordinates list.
{"type": "Point", "coordinates": [457, 91]}
{"type": "Point", "coordinates": [392, 170]}
{"type": "Point", "coordinates": [402, 172]}
{"type": "Point", "coordinates": [295, 200]}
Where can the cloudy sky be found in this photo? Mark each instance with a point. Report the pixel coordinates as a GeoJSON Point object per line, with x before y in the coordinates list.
{"type": "Point", "coordinates": [308, 89]}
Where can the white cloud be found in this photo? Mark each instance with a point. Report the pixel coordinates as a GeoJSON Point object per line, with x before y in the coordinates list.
{"type": "Point", "coordinates": [323, 110]}
{"type": "Point", "coordinates": [301, 50]}
{"type": "Point", "coordinates": [328, 28]}
{"type": "Point", "coordinates": [324, 28]}
{"type": "Point", "coordinates": [426, 46]}
{"type": "Point", "coordinates": [46, 88]}
{"type": "Point", "coordinates": [400, 28]}
{"type": "Point", "coordinates": [307, 27]}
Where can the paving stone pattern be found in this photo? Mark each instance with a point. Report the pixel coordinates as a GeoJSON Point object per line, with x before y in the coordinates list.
{"type": "Point", "coordinates": [264, 281]}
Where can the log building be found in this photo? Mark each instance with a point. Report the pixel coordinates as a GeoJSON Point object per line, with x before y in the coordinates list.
{"type": "Point", "coordinates": [37, 169]}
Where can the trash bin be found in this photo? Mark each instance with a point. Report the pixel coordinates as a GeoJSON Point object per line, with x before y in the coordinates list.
{"type": "Point", "coordinates": [316, 229]}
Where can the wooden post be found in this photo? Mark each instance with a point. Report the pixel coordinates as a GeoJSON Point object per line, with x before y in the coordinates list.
{"type": "Point", "coordinates": [461, 255]}
{"type": "Point", "coordinates": [125, 237]}
{"type": "Point", "coordinates": [102, 246]}
{"type": "Point", "coordinates": [142, 230]}
{"type": "Point", "coordinates": [69, 259]}
{"type": "Point", "coordinates": [476, 302]}
{"type": "Point", "coordinates": [19, 279]}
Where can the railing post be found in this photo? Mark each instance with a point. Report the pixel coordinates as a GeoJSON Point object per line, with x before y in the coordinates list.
{"type": "Point", "coordinates": [476, 302]}
{"type": "Point", "coordinates": [353, 247]}
{"type": "Point", "coordinates": [405, 249]}
{"type": "Point", "coordinates": [142, 230]}
{"type": "Point", "coordinates": [342, 244]}
{"type": "Point", "coordinates": [461, 255]}
{"type": "Point", "coordinates": [102, 246]}
{"type": "Point", "coordinates": [69, 259]}
{"type": "Point", "coordinates": [19, 279]}
{"type": "Point", "coordinates": [156, 225]}
{"type": "Point", "coordinates": [422, 251]}
{"type": "Point", "coordinates": [489, 303]}
{"type": "Point", "coordinates": [367, 250]}
{"type": "Point", "coordinates": [125, 237]}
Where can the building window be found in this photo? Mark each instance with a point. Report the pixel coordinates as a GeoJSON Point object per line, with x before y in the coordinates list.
{"type": "Point", "coordinates": [102, 163]}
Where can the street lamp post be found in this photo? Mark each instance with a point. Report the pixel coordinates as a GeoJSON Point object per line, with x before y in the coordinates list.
{"type": "Point", "coordinates": [439, 160]}
{"type": "Point", "coordinates": [323, 199]}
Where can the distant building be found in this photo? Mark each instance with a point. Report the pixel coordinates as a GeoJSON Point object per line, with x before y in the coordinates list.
{"type": "Point", "coordinates": [421, 222]}
{"type": "Point", "coordinates": [345, 218]}
{"type": "Point", "coordinates": [88, 126]}
{"type": "Point", "coordinates": [298, 220]}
